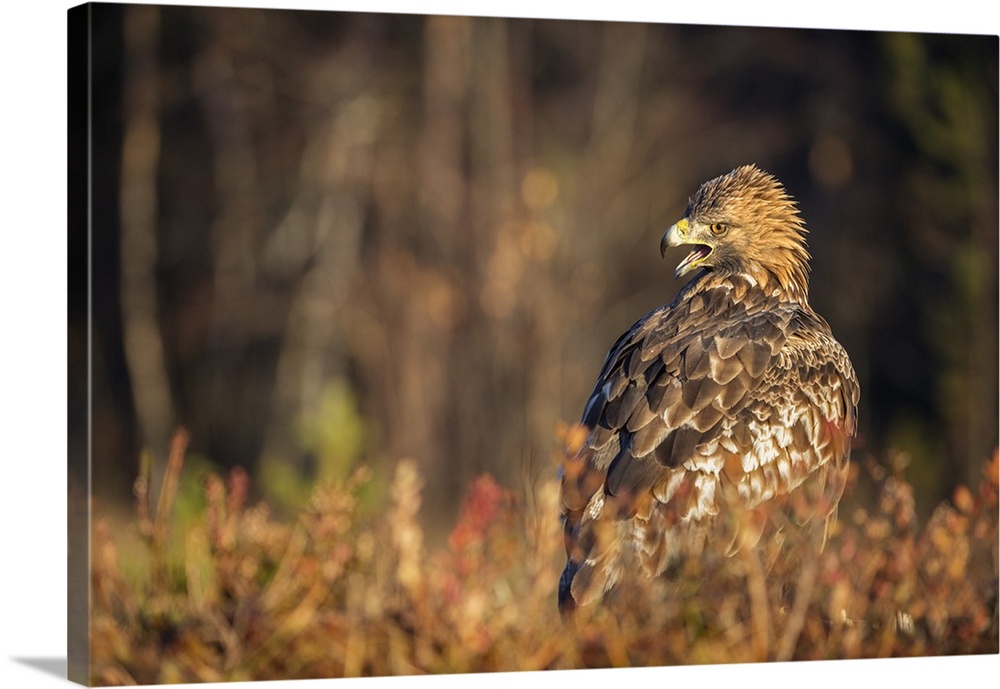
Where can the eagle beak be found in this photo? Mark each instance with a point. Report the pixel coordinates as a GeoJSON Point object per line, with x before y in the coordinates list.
{"type": "Point", "coordinates": [678, 235]}
{"type": "Point", "coordinates": [675, 236]}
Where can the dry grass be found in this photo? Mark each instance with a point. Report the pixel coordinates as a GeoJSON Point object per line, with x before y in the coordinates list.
{"type": "Point", "coordinates": [239, 594]}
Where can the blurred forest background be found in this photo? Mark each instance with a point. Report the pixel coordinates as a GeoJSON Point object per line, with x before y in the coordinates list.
{"type": "Point", "coordinates": [321, 239]}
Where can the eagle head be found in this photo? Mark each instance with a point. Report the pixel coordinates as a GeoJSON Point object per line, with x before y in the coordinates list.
{"type": "Point", "coordinates": [743, 223]}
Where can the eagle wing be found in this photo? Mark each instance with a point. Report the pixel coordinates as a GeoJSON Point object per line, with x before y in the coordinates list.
{"type": "Point", "coordinates": [713, 398]}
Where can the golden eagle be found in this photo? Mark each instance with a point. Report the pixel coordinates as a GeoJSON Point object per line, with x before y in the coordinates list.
{"type": "Point", "coordinates": [733, 399]}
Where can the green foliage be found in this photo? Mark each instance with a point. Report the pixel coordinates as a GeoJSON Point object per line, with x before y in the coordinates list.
{"type": "Point", "coordinates": [331, 593]}
{"type": "Point", "coordinates": [333, 435]}
{"type": "Point", "coordinates": [335, 432]}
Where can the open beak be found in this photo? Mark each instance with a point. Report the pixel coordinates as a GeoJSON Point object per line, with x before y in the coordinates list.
{"type": "Point", "coordinates": [678, 235]}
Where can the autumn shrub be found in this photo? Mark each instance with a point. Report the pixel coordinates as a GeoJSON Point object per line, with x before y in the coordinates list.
{"type": "Point", "coordinates": [240, 594]}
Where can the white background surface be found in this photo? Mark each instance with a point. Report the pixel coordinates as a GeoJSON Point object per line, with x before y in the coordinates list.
{"type": "Point", "coordinates": [33, 334]}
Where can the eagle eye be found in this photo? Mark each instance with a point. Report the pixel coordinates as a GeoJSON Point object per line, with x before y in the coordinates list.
{"type": "Point", "coordinates": [719, 229]}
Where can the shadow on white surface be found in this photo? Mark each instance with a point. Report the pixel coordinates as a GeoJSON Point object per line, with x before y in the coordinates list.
{"type": "Point", "coordinates": [52, 666]}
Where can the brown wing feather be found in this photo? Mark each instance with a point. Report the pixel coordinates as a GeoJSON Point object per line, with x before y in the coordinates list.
{"type": "Point", "coordinates": [685, 411]}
